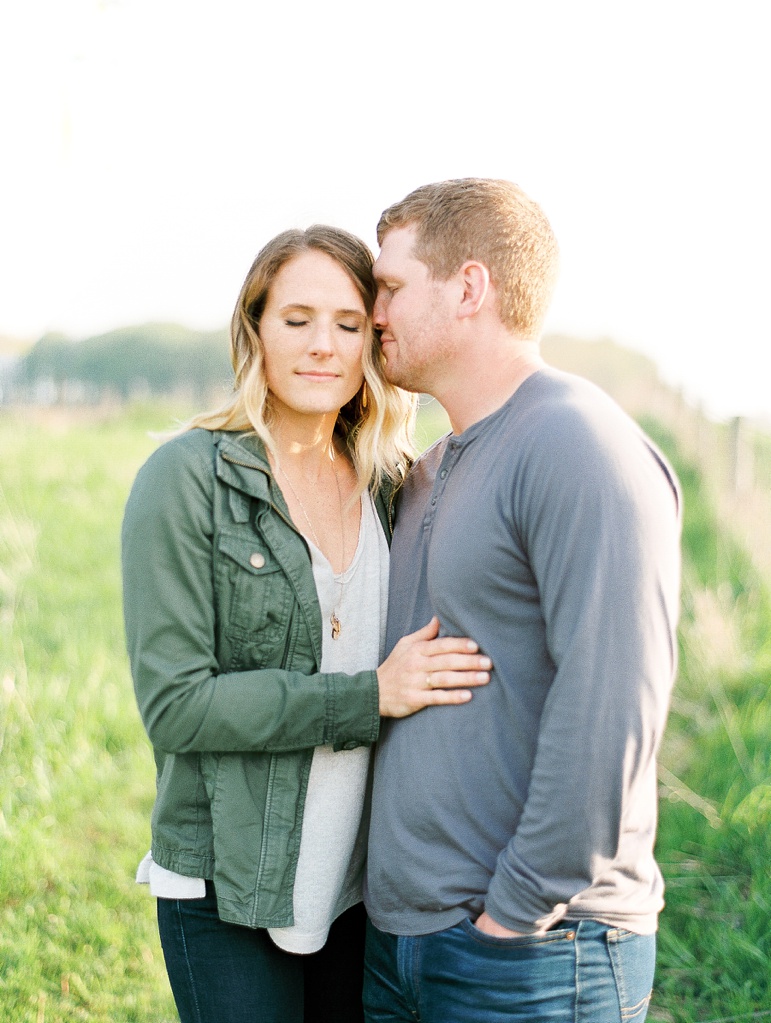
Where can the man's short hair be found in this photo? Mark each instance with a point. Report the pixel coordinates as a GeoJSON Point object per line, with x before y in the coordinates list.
{"type": "Point", "coordinates": [492, 222]}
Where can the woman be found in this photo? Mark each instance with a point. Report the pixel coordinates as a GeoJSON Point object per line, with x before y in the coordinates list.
{"type": "Point", "coordinates": [255, 559]}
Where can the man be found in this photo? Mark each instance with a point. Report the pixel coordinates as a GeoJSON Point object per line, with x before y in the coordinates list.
{"type": "Point", "coordinates": [511, 872]}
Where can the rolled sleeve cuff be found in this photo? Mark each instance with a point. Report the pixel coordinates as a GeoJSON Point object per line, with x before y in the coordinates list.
{"type": "Point", "coordinates": [350, 724]}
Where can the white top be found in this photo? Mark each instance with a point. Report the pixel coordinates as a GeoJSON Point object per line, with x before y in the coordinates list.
{"type": "Point", "coordinates": [334, 836]}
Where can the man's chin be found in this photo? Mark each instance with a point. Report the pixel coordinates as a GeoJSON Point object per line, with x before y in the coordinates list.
{"type": "Point", "coordinates": [391, 372]}
{"type": "Point", "coordinates": [398, 379]}
{"type": "Point", "coordinates": [399, 376]}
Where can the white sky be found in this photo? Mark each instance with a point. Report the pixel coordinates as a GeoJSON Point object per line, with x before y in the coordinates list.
{"type": "Point", "coordinates": [148, 148]}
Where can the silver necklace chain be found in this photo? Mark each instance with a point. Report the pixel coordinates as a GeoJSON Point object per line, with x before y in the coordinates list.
{"type": "Point", "coordinates": [334, 620]}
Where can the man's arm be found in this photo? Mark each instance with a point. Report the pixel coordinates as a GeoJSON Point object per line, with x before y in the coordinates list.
{"type": "Point", "coordinates": [600, 520]}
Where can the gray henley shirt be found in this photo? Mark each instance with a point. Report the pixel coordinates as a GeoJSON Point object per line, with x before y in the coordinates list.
{"type": "Point", "coordinates": [549, 532]}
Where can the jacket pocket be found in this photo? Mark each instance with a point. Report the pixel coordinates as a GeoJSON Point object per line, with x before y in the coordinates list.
{"type": "Point", "coordinates": [254, 602]}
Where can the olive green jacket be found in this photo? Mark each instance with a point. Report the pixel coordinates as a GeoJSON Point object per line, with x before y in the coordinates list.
{"type": "Point", "coordinates": [223, 631]}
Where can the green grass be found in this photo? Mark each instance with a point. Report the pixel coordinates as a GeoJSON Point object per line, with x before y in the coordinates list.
{"type": "Point", "coordinates": [432, 422]}
{"type": "Point", "coordinates": [715, 939]}
{"type": "Point", "coordinates": [77, 936]}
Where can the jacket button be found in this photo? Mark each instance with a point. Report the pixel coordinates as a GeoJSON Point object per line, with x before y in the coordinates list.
{"type": "Point", "coordinates": [350, 745]}
{"type": "Point", "coordinates": [257, 560]}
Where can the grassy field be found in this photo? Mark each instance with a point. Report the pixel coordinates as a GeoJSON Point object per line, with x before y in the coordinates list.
{"type": "Point", "coordinates": [715, 820]}
{"type": "Point", "coordinates": [77, 936]}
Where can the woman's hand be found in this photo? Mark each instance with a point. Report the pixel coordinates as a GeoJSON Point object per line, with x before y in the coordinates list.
{"type": "Point", "coordinates": [424, 671]}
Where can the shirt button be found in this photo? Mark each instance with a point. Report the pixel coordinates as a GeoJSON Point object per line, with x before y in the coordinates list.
{"type": "Point", "coordinates": [443, 474]}
{"type": "Point", "coordinates": [257, 560]}
{"type": "Point", "coordinates": [433, 501]}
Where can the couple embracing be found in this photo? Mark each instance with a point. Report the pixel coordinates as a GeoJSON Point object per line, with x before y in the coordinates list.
{"type": "Point", "coordinates": [405, 712]}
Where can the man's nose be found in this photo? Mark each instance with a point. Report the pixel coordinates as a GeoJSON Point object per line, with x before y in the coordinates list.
{"type": "Point", "coordinates": [379, 318]}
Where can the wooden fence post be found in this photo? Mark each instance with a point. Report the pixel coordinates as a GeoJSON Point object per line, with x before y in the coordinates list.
{"type": "Point", "coordinates": [740, 460]}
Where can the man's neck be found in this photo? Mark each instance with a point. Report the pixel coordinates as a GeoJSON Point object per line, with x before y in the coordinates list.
{"type": "Point", "coordinates": [486, 382]}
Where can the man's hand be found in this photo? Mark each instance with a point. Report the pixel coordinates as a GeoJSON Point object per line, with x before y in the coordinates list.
{"type": "Point", "coordinates": [489, 926]}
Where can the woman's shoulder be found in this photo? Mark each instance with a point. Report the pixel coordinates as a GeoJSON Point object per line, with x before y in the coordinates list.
{"type": "Point", "coordinates": [181, 465]}
{"type": "Point", "coordinates": [192, 448]}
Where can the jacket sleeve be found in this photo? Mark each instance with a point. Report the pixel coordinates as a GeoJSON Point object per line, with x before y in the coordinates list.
{"type": "Point", "coordinates": [185, 702]}
{"type": "Point", "coordinates": [600, 520]}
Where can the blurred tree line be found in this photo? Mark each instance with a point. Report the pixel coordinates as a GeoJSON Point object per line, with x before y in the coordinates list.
{"type": "Point", "coordinates": [131, 362]}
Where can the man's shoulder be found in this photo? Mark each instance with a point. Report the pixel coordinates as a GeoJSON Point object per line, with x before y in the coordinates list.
{"type": "Point", "coordinates": [556, 390]}
{"type": "Point", "coordinates": [579, 432]}
{"type": "Point", "coordinates": [564, 410]}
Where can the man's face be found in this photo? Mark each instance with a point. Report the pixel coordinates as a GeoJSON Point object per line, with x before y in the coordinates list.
{"type": "Point", "coordinates": [412, 312]}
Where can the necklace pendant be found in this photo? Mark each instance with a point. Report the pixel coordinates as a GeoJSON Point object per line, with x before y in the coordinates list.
{"type": "Point", "coordinates": [335, 623]}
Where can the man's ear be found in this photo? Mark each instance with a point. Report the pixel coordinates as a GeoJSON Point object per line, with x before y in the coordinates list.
{"type": "Point", "coordinates": [475, 280]}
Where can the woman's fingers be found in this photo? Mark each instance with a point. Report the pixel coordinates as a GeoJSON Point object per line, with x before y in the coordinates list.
{"type": "Point", "coordinates": [428, 642]}
{"type": "Point", "coordinates": [445, 645]}
{"type": "Point", "coordinates": [428, 631]}
{"type": "Point", "coordinates": [475, 674]}
{"type": "Point", "coordinates": [441, 697]}
{"type": "Point", "coordinates": [423, 670]}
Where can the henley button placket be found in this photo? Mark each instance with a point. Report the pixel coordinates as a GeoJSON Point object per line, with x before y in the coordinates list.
{"type": "Point", "coordinates": [450, 456]}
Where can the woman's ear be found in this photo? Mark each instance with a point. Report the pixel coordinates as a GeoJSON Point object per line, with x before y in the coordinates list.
{"type": "Point", "coordinates": [475, 279]}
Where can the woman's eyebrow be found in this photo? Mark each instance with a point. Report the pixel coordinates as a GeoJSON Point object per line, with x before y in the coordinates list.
{"type": "Point", "coordinates": [301, 307]}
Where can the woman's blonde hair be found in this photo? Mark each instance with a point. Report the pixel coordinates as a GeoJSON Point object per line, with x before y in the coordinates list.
{"type": "Point", "coordinates": [377, 424]}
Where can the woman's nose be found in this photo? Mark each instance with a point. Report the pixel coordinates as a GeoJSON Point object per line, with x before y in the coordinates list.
{"type": "Point", "coordinates": [321, 342]}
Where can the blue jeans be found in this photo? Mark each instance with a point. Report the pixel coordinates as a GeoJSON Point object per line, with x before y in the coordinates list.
{"type": "Point", "coordinates": [223, 973]}
{"type": "Point", "coordinates": [580, 972]}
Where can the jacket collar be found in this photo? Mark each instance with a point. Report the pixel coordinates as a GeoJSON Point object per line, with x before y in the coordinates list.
{"type": "Point", "coordinates": [243, 464]}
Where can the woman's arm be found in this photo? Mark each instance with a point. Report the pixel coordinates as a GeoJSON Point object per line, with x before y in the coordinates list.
{"type": "Point", "coordinates": [186, 703]}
